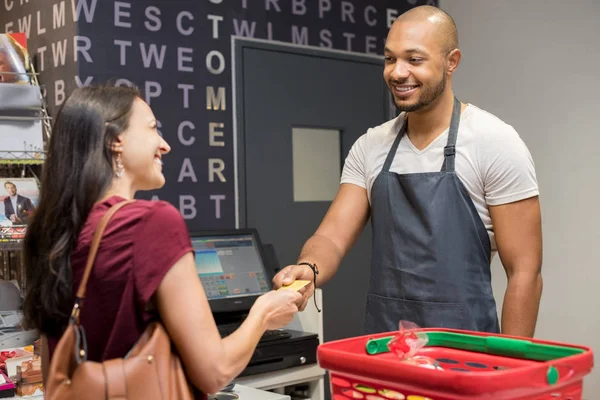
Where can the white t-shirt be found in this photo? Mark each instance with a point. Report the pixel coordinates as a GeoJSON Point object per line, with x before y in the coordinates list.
{"type": "Point", "coordinates": [492, 161]}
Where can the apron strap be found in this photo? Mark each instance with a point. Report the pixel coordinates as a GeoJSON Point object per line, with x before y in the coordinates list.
{"type": "Point", "coordinates": [392, 152]}
{"type": "Point", "coordinates": [450, 149]}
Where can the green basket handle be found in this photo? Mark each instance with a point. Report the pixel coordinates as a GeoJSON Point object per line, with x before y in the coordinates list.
{"type": "Point", "coordinates": [497, 345]}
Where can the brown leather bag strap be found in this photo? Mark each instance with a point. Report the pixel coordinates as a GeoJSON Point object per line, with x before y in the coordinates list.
{"type": "Point", "coordinates": [115, 378]}
{"type": "Point", "coordinates": [95, 244]}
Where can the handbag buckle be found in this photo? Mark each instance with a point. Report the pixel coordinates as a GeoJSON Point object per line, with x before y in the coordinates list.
{"type": "Point", "coordinates": [76, 311]}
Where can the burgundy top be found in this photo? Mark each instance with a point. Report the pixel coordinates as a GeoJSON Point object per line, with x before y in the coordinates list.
{"type": "Point", "coordinates": [141, 243]}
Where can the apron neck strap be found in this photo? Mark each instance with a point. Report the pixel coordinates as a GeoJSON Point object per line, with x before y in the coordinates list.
{"type": "Point", "coordinates": [450, 149]}
{"type": "Point", "coordinates": [392, 152]}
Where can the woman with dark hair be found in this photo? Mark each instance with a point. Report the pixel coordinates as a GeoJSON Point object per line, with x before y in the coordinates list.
{"type": "Point", "coordinates": [104, 148]}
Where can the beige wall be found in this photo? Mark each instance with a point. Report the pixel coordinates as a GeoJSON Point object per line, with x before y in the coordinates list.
{"type": "Point", "coordinates": [536, 65]}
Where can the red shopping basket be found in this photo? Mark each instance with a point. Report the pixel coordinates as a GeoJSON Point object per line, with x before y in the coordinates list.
{"type": "Point", "coordinates": [475, 366]}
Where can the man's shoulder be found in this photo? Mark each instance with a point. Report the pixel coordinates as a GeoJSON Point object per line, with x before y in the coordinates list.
{"type": "Point", "coordinates": [384, 131]}
{"type": "Point", "coordinates": [482, 130]}
{"type": "Point", "coordinates": [388, 125]}
{"type": "Point", "coordinates": [485, 123]}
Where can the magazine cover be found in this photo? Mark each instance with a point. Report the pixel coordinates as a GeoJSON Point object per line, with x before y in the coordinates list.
{"type": "Point", "coordinates": [19, 199]}
{"type": "Point", "coordinates": [13, 58]}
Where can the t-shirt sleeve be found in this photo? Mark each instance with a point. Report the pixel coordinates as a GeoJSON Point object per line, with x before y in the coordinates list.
{"type": "Point", "coordinates": [161, 239]}
{"type": "Point", "coordinates": [508, 169]}
{"type": "Point", "coordinates": [354, 170]}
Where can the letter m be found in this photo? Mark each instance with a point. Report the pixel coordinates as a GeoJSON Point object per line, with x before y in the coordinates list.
{"type": "Point", "coordinates": [215, 101]}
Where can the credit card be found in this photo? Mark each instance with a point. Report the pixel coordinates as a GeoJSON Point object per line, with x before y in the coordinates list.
{"type": "Point", "coordinates": [296, 285]}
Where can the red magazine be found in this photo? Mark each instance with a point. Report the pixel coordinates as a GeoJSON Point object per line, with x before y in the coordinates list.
{"type": "Point", "coordinates": [14, 60]}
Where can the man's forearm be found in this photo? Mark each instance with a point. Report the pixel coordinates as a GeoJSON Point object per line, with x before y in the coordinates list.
{"type": "Point", "coordinates": [521, 304]}
{"type": "Point", "coordinates": [322, 251]}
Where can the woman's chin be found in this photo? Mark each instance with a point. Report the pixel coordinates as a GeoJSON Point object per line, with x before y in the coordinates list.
{"type": "Point", "coordinates": [160, 182]}
{"type": "Point", "coordinates": [155, 184]}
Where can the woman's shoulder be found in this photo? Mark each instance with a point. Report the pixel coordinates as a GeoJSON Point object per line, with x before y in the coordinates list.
{"type": "Point", "coordinates": [129, 220]}
{"type": "Point", "coordinates": [158, 210]}
{"type": "Point", "coordinates": [139, 209]}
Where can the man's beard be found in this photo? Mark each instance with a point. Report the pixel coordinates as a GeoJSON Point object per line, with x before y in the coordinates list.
{"type": "Point", "coordinates": [427, 97]}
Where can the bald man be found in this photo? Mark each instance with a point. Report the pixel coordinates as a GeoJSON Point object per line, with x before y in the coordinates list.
{"type": "Point", "coordinates": [447, 185]}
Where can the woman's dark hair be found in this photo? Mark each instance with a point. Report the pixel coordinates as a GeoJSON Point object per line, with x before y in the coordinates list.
{"type": "Point", "coordinates": [77, 172]}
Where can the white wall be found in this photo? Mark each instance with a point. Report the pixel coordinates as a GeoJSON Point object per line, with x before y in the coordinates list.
{"type": "Point", "coordinates": [536, 65]}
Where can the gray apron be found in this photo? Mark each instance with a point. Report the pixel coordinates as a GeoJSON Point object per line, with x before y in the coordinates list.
{"type": "Point", "coordinates": [431, 253]}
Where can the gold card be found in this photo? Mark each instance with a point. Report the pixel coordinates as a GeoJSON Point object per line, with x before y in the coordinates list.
{"type": "Point", "coordinates": [296, 285]}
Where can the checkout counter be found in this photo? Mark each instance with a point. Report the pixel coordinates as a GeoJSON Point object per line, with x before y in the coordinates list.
{"type": "Point", "coordinates": [235, 270]}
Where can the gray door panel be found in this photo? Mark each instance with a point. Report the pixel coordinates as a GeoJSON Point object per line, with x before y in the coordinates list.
{"type": "Point", "coordinates": [280, 87]}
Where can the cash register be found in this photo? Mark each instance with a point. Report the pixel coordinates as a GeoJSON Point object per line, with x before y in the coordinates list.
{"type": "Point", "coordinates": [234, 271]}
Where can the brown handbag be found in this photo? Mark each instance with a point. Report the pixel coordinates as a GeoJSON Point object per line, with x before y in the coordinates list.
{"type": "Point", "coordinates": [151, 370]}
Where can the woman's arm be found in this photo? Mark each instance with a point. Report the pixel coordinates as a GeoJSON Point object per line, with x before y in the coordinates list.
{"type": "Point", "coordinates": [212, 362]}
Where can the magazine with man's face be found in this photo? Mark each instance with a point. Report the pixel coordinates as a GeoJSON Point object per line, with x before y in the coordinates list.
{"type": "Point", "coordinates": [19, 198]}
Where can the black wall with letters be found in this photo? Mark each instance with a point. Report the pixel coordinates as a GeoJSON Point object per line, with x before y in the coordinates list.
{"type": "Point", "coordinates": [179, 54]}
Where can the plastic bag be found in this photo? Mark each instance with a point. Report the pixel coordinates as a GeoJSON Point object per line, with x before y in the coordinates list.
{"type": "Point", "coordinates": [408, 342]}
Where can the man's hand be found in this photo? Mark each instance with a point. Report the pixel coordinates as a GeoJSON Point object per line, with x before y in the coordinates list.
{"type": "Point", "coordinates": [292, 273]}
{"type": "Point", "coordinates": [13, 218]}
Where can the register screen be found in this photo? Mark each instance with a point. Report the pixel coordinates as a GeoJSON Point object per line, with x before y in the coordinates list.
{"type": "Point", "coordinates": [229, 266]}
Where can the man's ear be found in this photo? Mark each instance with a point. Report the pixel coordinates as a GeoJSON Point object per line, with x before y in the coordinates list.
{"type": "Point", "coordinates": [453, 61]}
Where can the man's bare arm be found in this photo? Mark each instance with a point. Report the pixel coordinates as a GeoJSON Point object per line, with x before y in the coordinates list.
{"type": "Point", "coordinates": [337, 233]}
{"type": "Point", "coordinates": [518, 233]}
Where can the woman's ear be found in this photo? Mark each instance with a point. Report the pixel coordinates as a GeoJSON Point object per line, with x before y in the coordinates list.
{"type": "Point", "coordinates": [117, 144]}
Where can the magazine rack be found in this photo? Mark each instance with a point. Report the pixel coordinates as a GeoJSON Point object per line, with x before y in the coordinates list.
{"type": "Point", "coordinates": [25, 128]}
